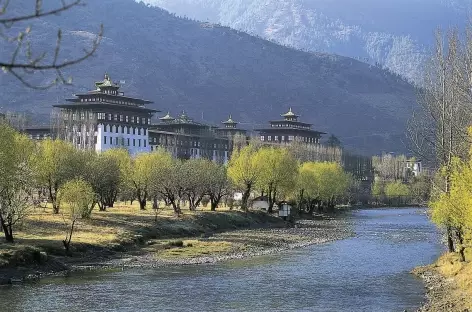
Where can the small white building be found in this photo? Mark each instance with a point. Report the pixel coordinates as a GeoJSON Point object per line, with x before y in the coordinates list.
{"type": "Point", "coordinates": [415, 167]}
{"type": "Point", "coordinates": [261, 202]}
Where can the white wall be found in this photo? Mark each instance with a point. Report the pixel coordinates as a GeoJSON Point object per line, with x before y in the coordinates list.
{"type": "Point", "coordinates": [105, 130]}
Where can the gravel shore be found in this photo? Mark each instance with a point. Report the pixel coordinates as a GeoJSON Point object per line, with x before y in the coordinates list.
{"type": "Point", "coordinates": [257, 242]}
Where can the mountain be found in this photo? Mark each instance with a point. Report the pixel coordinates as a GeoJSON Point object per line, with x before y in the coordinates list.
{"type": "Point", "coordinates": [212, 71]}
{"type": "Point", "coordinates": [395, 33]}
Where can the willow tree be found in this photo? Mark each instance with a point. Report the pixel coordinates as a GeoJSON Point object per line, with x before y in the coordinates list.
{"type": "Point", "coordinates": [55, 163]}
{"type": "Point", "coordinates": [15, 178]}
{"type": "Point", "coordinates": [79, 197]}
{"type": "Point", "coordinates": [277, 172]}
{"type": "Point", "coordinates": [244, 171]}
{"type": "Point", "coordinates": [438, 129]}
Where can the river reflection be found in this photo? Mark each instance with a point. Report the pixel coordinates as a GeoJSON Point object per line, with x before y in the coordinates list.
{"type": "Point", "coordinates": [368, 272]}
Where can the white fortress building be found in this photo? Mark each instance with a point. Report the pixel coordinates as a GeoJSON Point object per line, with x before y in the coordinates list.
{"type": "Point", "coordinates": [105, 118]}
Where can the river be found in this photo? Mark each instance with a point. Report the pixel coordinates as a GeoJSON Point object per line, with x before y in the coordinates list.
{"type": "Point", "coordinates": [368, 272]}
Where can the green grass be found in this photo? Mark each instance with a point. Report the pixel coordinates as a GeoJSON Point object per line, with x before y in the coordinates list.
{"type": "Point", "coordinates": [197, 248]}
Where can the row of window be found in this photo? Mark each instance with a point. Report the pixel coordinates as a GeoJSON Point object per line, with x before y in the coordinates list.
{"type": "Point", "coordinates": [289, 126]}
{"type": "Point", "coordinates": [100, 99]}
{"type": "Point", "coordinates": [167, 141]}
{"type": "Point", "coordinates": [276, 138]}
{"type": "Point", "coordinates": [104, 116]}
{"type": "Point", "coordinates": [123, 142]}
{"type": "Point", "coordinates": [127, 130]}
{"type": "Point", "coordinates": [125, 118]}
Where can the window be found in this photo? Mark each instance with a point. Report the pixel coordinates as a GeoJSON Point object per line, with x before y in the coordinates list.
{"type": "Point", "coordinates": [144, 141]}
{"type": "Point", "coordinates": [122, 129]}
{"type": "Point", "coordinates": [134, 130]}
{"type": "Point", "coordinates": [116, 141]}
{"type": "Point", "coordinates": [101, 116]}
{"type": "Point", "coordinates": [290, 137]}
{"type": "Point", "coordinates": [105, 140]}
{"type": "Point", "coordinates": [269, 138]}
{"type": "Point", "coordinates": [139, 142]}
{"type": "Point", "coordinates": [115, 117]}
{"type": "Point", "coordinates": [127, 118]}
{"type": "Point", "coordinates": [144, 131]}
{"type": "Point", "coordinates": [122, 141]}
{"type": "Point", "coordinates": [121, 117]}
{"type": "Point", "coordinates": [283, 137]}
{"type": "Point", "coordinates": [143, 120]}
{"type": "Point", "coordinates": [149, 121]}
{"type": "Point", "coordinates": [262, 138]}
{"type": "Point", "coordinates": [132, 119]}
{"type": "Point", "coordinates": [128, 140]}
{"type": "Point", "coordinates": [134, 141]}
{"type": "Point", "coordinates": [116, 129]}
{"type": "Point", "coordinates": [139, 131]}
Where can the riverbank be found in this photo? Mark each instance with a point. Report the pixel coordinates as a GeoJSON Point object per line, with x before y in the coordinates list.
{"type": "Point", "coordinates": [125, 237]}
{"type": "Point", "coordinates": [448, 285]}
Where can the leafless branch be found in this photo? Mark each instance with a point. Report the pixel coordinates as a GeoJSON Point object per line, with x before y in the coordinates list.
{"type": "Point", "coordinates": [23, 61]}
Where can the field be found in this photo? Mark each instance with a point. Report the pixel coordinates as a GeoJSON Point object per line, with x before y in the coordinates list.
{"type": "Point", "coordinates": [123, 228]}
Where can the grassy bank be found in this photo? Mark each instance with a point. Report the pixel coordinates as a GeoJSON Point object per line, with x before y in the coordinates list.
{"type": "Point", "coordinates": [448, 283]}
{"type": "Point", "coordinates": [38, 241]}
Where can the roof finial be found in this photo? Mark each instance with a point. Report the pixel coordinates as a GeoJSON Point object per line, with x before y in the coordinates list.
{"type": "Point", "coordinates": [107, 77]}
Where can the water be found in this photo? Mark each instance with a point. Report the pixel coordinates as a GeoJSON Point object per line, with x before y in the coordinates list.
{"type": "Point", "coordinates": [368, 272]}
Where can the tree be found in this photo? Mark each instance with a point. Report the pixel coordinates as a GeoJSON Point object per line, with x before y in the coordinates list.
{"type": "Point", "coordinates": [244, 172]}
{"type": "Point", "coordinates": [195, 181]}
{"type": "Point", "coordinates": [79, 197]}
{"type": "Point", "coordinates": [393, 189]}
{"type": "Point", "coordinates": [333, 183]}
{"type": "Point", "coordinates": [122, 157]}
{"type": "Point", "coordinates": [103, 174]}
{"type": "Point", "coordinates": [218, 184]}
{"type": "Point", "coordinates": [438, 129]}
{"type": "Point", "coordinates": [161, 174]}
{"type": "Point", "coordinates": [170, 186]}
{"type": "Point", "coordinates": [15, 178]}
{"type": "Point", "coordinates": [55, 163]}
{"type": "Point", "coordinates": [142, 176]}
{"type": "Point", "coordinates": [20, 59]}
{"type": "Point", "coordinates": [322, 184]}
{"type": "Point", "coordinates": [277, 172]}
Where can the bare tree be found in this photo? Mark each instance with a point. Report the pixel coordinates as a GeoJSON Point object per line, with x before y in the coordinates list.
{"type": "Point", "coordinates": [21, 60]}
{"type": "Point", "coordinates": [438, 129]}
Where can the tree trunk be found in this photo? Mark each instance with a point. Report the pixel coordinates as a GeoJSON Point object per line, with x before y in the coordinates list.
{"type": "Point", "coordinates": [7, 230]}
{"type": "Point", "coordinates": [245, 198]}
{"type": "Point", "coordinates": [450, 240]}
{"type": "Point", "coordinates": [272, 197]}
{"type": "Point", "coordinates": [214, 201]}
{"type": "Point", "coordinates": [461, 246]}
{"type": "Point", "coordinates": [142, 196]}
{"type": "Point", "coordinates": [142, 204]}
{"type": "Point", "coordinates": [53, 198]}
{"type": "Point", "coordinates": [67, 240]}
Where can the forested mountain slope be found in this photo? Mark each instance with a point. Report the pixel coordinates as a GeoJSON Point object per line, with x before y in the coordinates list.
{"type": "Point", "coordinates": [212, 71]}
{"type": "Point", "coordinates": [394, 33]}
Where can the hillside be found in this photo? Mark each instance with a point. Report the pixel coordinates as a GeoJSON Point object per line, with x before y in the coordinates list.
{"type": "Point", "coordinates": [394, 33]}
{"type": "Point", "coordinates": [212, 71]}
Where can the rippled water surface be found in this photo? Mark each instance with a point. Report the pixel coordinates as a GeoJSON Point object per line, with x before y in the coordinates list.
{"type": "Point", "coordinates": [368, 272]}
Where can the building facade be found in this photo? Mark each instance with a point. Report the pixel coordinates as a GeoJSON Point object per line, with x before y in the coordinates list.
{"type": "Point", "coordinates": [289, 130]}
{"type": "Point", "coordinates": [103, 119]}
{"type": "Point", "coordinates": [185, 138]}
